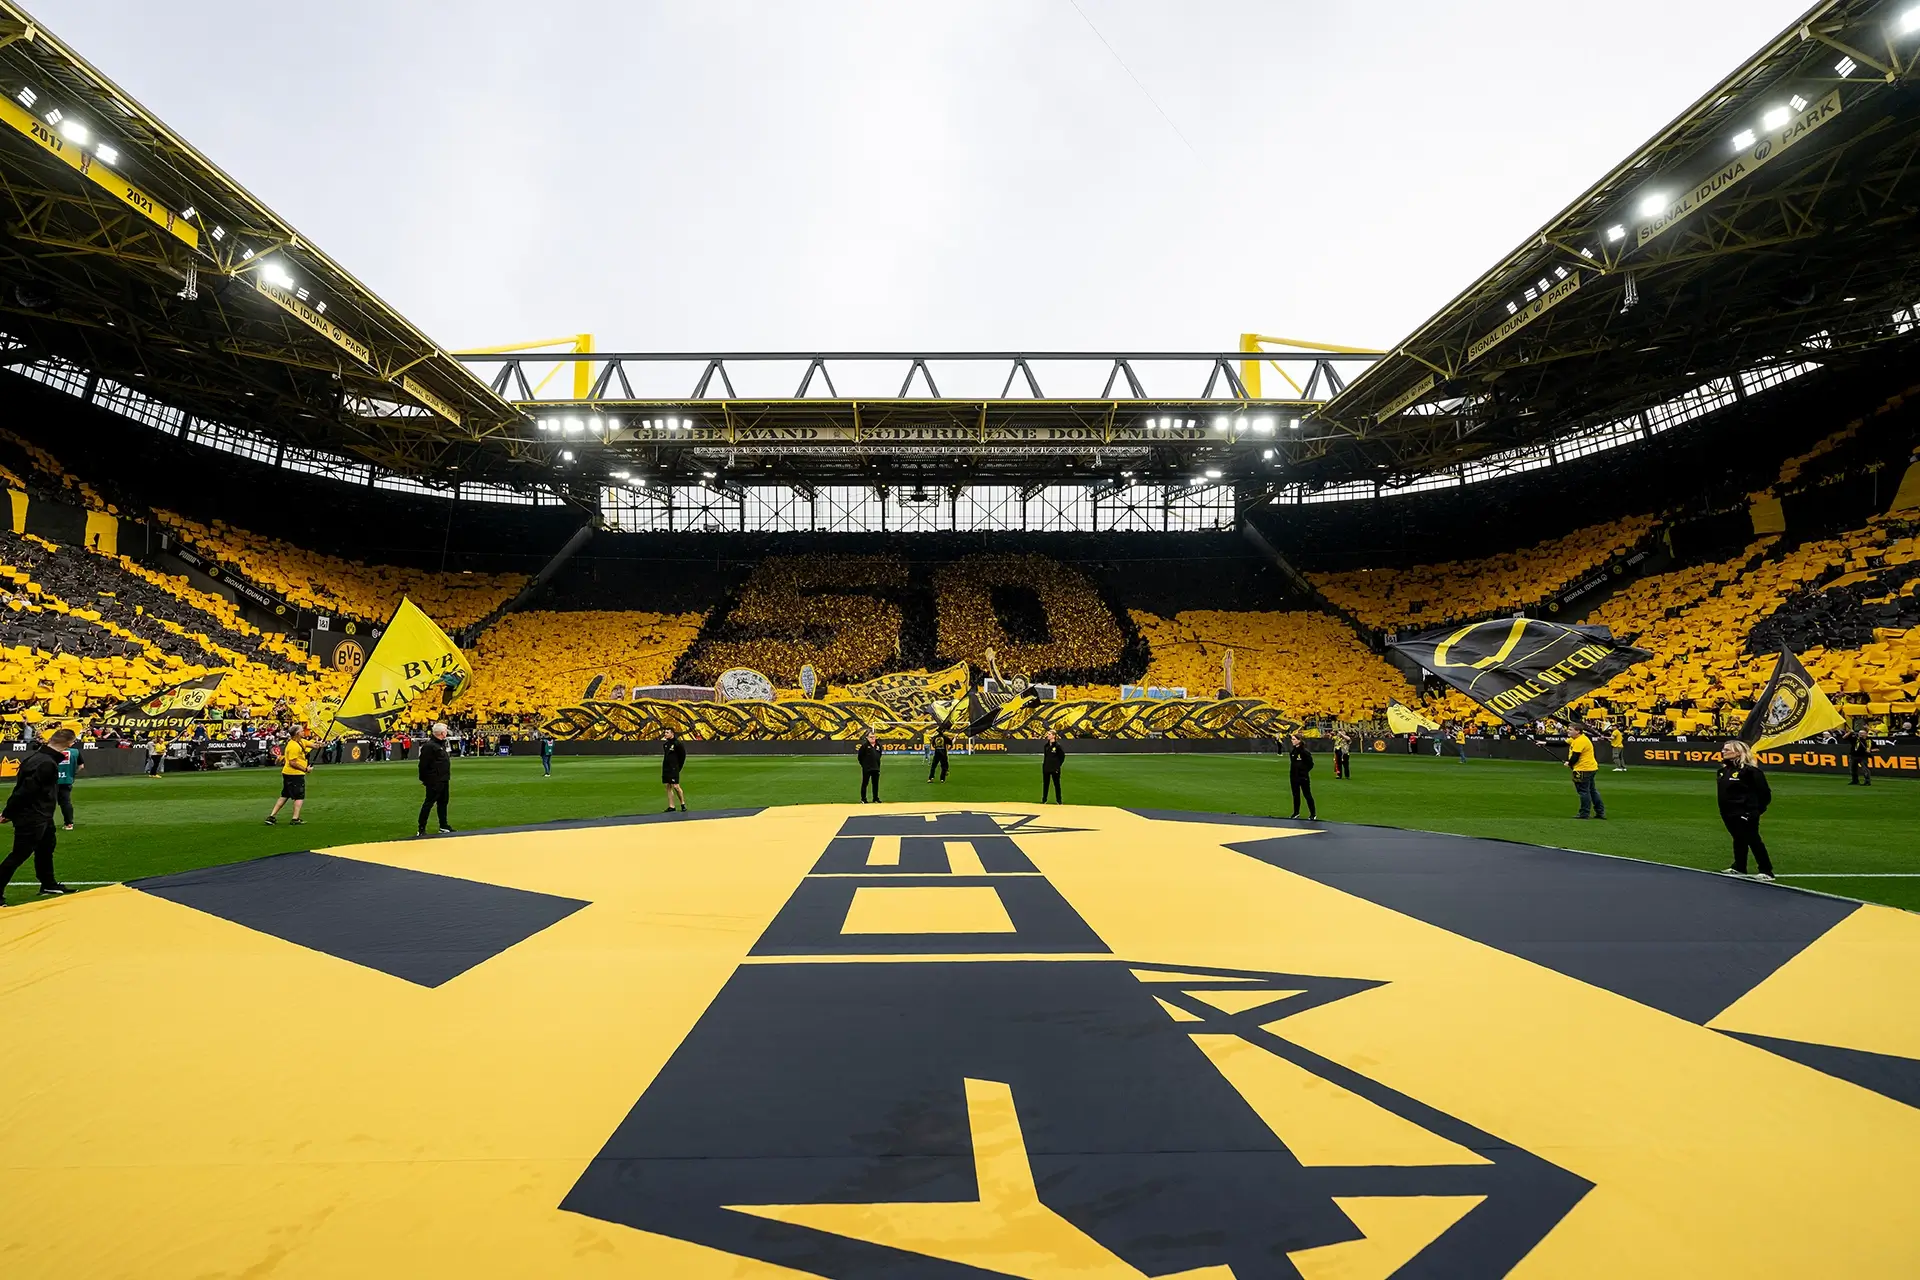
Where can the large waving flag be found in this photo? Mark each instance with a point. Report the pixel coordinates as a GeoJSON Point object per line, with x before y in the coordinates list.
{"type": "Point", "coordinates": [1404, 719]}
{"type": "Point", "coordinates": [414, 656]}
{"type": "Point", "coordinates": [1522, 669]}
{"type": "Point", "coordinates": [1791, 708]}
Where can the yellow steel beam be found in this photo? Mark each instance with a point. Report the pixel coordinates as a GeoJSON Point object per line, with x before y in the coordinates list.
{"type": "Point", "coordinates": [88, 166]}
{"type": "Point", "coordinates": [582, 344]}
{"type": "Point", "coordinates": [1256, 344]}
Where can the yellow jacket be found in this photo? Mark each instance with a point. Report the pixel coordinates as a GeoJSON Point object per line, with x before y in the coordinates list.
{"type": "Point", "coordinates": [1580, 757]}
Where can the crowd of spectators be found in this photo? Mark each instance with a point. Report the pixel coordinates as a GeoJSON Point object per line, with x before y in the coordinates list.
{"type": "Point", "coordinates": [527, 664]}
{"type": "Point", "coordinates": [1070, 632]}
{"type": "Point", "coordinates": [327, 584]}
{"type": "Point", "coordinates": [834, 613]}
{"type": "Point", "coordinates": [1433, 595]}
{"type": "Point", "coordinates": [1310, 665]}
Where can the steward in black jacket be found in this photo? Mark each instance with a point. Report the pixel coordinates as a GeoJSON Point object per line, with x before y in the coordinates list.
{"type": "Point", "coordinates": [436, 775]}
{"type": "Point", "coordinates": [1299, 769]}
{"type": "Point", "coordinates": [30, 812]}
{"type": "Point", "coordinates": [1052, 757]}
{"type": "Point", "coordinates": [1744, 795]}
{"type": "Point", "coordinates": [869, 768]}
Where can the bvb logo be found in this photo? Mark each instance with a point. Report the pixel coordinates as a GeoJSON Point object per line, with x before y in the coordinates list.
{"type": "Point", "coordinates": [1788, 708]}
{"type": "Point", "coordinates": [349, 656]}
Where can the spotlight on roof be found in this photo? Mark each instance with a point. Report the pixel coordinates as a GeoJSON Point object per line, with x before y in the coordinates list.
{"type": "Point", "coordinates": [1267, 454]}
{"type": "Point", "coordinates": [73, 131]}
{"type": "Point", "coordinates": [706, 475]}
{"type": "Point", "coordinates": [107, 154]}
{"type": "Point", "coordinates": [1213, 475]}
{"type": "Point", "coordinates": [1846, 66]}
{"type": "Point", "coordinates": [1775, 117]}
{"type": "Point", "coordinates": [566, 455]}
{"type": "Point", "coordinates": [623, 475]}
{"type": "Point", "coordinates": [1652, 206]}
{"type": "Point", "coordinates": [276, 274]}
{"type": "Point", "coordinates": [575, 427]}
{"type": "Point", "coordinates": [1742, 140]}
{"type": "Point", "coordinates": [1616, 233]}
{"type": "Point", "coordinates": [1909, 22]}
{"type": "Point", "coordinates": [188, 212]}
{"type": "Point", "coordinates": [1263, 425]}
{"type": "Point", "coordinates": [26, 97]}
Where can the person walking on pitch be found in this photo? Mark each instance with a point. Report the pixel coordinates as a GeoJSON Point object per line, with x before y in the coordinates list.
{"type": "Point", "coordinates": [546, 756]}
{"type": "Point", "coordinates": [869, 756]}
{"type": "Point", "coordinates": [1300, 776]}
{"type": "Point", "coordinates": [1859, 751]}
{"type": "Point", "coordinates": [1744, 795]}
{"type": "Point", "coordinates": [30, 812]}
{"type": "Point", "coordinates": [1342, 757]}
{"type": "Point", "coordinates": [436, 775]}
{"type": "Point", "coordinates": [942, 743]}
{"type": "Point", "coordinates": [70, 768]}
{"type": "Point", "coordinates": [673, 758]}
{"type": "Point", "coordinates": [1617, 742]}
{"type": "Point", "coordinates": [294, 769]}
{"type": "Point", "coordinates": [1052, 757]}
{"type": "Point", "coordinates": [1586, 766]}
{"type": "Point", "coordinates": [1460, 741]}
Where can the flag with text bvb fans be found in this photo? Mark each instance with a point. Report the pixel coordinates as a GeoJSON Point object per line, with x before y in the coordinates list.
{"type": "Point", "coordinates": [1401, 719]}
{"type": "Point", "coordinates": [413, 658]}
{"type": "Point", "coordinates": [174, 707]}
{"type": "Point", "coordinates": [1792, 708]}
{"type": "Point", "coordinates": [1522, 669]}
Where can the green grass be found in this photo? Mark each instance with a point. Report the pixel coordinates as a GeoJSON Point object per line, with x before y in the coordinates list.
{"type": "Point", "coordinates": [131, 827]}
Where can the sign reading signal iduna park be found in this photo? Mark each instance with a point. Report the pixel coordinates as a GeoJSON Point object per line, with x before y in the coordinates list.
{"type": "Point", "coordinates": [934, 1042]}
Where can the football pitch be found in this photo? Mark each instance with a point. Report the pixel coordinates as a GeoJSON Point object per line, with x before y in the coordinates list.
{"type": "Point", "coordinates": [1854, 841]}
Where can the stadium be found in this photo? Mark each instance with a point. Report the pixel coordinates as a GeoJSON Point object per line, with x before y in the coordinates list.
{"type": "Point", "coordinates": [1411, 697]}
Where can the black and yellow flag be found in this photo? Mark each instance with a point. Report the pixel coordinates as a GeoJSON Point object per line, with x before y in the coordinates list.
{"type": "Point", "coordinates": [1791, 708]}
{"type": "Point", "coordinates": [174, 707]}
{"type": "Point", "coordinates": [1404, 719]}
{"type": "Point", "coordinates": [414, 656]}
{"type": "Point", "coordinates": [1522, 669]}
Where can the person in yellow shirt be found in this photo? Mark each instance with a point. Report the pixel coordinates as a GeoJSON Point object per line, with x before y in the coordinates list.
{"type": "Point", "coordinates": [1586, 766]}
{"type": "Point", "coordinates": [294, 769]}
{"type": "Point", "coordinates": [1618, 741]}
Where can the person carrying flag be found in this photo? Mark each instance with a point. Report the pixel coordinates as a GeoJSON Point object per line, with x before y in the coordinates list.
{"type": "Point", "coordinates": [294, 769]}
{"type": "Point", "coordinates": [942, 742]}
{"type": "Point", "coordinates": [1585, 765]}
{"type": "Point", "coordinates": [1744, 795]}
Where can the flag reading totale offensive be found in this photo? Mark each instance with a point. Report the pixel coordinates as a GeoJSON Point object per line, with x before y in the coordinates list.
{"type": "Point", "coordinates": [1522, 669]}
{"type": "Point", "coordinates": [1791, 708]}
{"type": "Point", "coordinates": [414, 657]}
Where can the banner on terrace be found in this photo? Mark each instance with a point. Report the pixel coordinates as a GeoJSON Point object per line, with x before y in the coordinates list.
{"type": "Point", "coordinates": [1522, 669]}
{"type": "Point", "coordinates": [414, 657]}
{"type": "Point", "coordinates": [175, 707]}
{"type": "Point", "coordinates": [1404, 719]}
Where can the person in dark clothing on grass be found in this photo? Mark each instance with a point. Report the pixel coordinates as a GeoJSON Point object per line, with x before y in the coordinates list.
{"type": "Point", "coordinates": [1052, 757]}
{"type": "Point", "coordinates": [1859, 751]}
{"type": "Point", "coordinates": [1744, 795]}
{"type": "Point", "coordinates": [1299, 776]}
{"type": "Point", "coordinates": [70, 768]}
{"type": "Point", "coordinates": [869, 755]}
{"type": "Point", "coordinates": [29, 811]}
{"type": "Point", "coordinates": [436, 775]}
{"type": "Point", "coordinates": [942, 742]}
{"type": "Point", "coordinates": [673, 758]}
{"type": "Point", "coordinates": [546, 756]}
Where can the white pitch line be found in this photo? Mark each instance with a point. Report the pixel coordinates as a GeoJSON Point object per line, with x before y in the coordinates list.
{"type": "Point", "coordinates": [1850, 875]}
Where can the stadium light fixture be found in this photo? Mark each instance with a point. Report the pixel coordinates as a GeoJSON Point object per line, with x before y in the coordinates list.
{"type": "Point", "coordinates": [1293, 424]}
{"type": "Point", "coordinates": [1220, 423]}
{"type": "Point", "coordinates": [1776, 117]}
{"type": "Point", "coordinates": [321, 306]}
{"type": "Point", "coordinates": [566, 455]}
{"type": "Point", "coordinates": [277, 274]}
{"type": "Point", "coordinates": [107, 154]}
{"type": "Point", "coordinates": [1513, 308]}
{"type": "Point", "coordinates": [1797, 102]}
{"type": "Point", "coordinates": [1846, 66]}
{"type": "Point", "coordinates": [219, 233]}
{"type": "Point", "coordinates": [73, 131]}
{"type": "Point", "coordinates": [1213, 475]}
{"type": "Point", "coordinates": [706, 475]}
{"type": "Point", "coordinates": [26, 97]}
{"type": "Point", "coordinates": [623, 475]}
{"type": "Point", "coordinates": [1910, 21]}
{"type": "Point", "coordinates": [1742, 140]}
{"type": "Point", "coordinates": [574, 428]}
{"type": "Point", "coordinates": [1652, 206]}
{"type": "Point", "coordinates": [1267, 454]}
{"type": "Point", "coordinates": [55, 116]}
{"type": "Point", "coordinates": [1616, 234]}
{"type": "Point", "coordinates": [1264, 426]}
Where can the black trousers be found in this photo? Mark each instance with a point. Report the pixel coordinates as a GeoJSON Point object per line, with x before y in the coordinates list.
{"type": "Point", "coordinates": [436, 796]}
{"type": "Point", "coordinates": [1746, 835]}
{"type": "Point", "coordinates": [869, 777]}
{"type": "Point", "coordinates": [64, 792]}
{"type": "Point", "coordinates": [1302, 785]}
{"type": "Point", "coordinates": [1050, 778]}
{"type": "Point", "coordinates": [939, 762]}
{"type": "Point", "coordinates": [31, 840]}
{"type": "Point", "coordinates": [1860, 773]}
{"type": "Point", "coordinates": [1342, 765]}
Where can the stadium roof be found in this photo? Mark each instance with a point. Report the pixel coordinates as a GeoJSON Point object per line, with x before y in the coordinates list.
{"type": "Point", "coordinates": [1770, 229]}
{"type": "Point", "coordinates": [129, 253]}
{"type": "Point", "coordinates": [1776, 222]}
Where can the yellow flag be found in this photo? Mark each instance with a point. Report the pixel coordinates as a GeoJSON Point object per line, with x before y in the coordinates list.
{"type": "Point", "coordinates": [1791, 708]}
{"type": "Point", "coordinates": [1406, 720]}
{"type": "Point", "coordinates": [414, 656]}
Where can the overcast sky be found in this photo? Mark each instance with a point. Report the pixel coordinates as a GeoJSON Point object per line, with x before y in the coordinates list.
{"type": "Point", "coordinates": [987, 174]}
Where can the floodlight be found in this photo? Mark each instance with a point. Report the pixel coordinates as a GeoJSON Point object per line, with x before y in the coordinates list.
{"type": "Point", "coordinates": [219, 233]}
{"type": "Point", "coordinates": [1652, 206]}
{"type": "Point", "coordinates": [623, 475]}
{"type": "Point", "coordinates": [1742, 140]}
{"type": "Point", "coordinates": [1797, 102]}
{"type": "Point", "coordinates": [1293, 424]}
{"type": "Point", "coordinates": [1910, 21]}
{"type": "Point", "coordinates": [575, 427]}
{"type": "Point", "coordinates": [1213, 475]}
{"type": "Point", "coordinates": [1513, 308]}
{"type": "Point", "coordinates": [1616, 233]}
{"type": "Point", "coordinates": [321, 306]}
{"type": "Point", "coordinates": [1775, 117]}
{"type": "Point", "coordinates": [706, 475]}
{"type": "Point", "coordinates": [566, 455]}
{"type": "Point", "coordinates": [277, 274]}
{"type": "Point", "coordinates": [1267, 454]}
{"type": "Point", "coordinates": [26, 97]}
{"type": "Point", "coordinates": [107, 154]}
{"type": "Point", "coordinates": [54, 116]}
{"type": "Point", "coordinates": [188, 212]}
{"type": "Point", "coordinates": [73, 131]}
{"type": "Point", "coordinates": [1263, 425]}
{"type": "Point", "coordinates": [1220, 423]}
